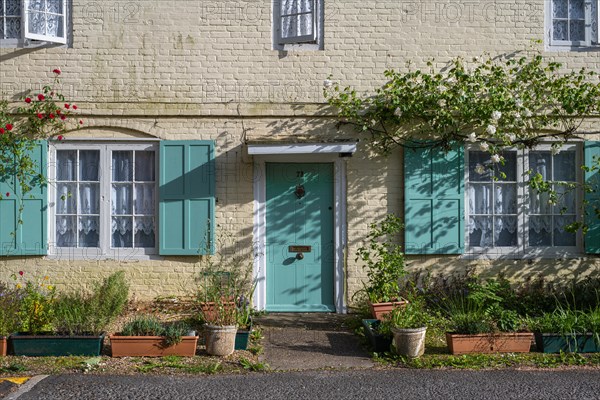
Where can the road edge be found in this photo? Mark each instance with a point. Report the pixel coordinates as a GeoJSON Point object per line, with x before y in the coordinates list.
{"type": "Point", "coordinates": [26, 387]}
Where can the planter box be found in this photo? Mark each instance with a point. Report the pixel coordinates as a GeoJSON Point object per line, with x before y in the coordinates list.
{"type": "Point", "coordinates": [555, 343]}
{"type": "Point", "coordinates": [3, 345]}
{"type": "Point", "coordinates": [151, 346]}
{"type": "Point", "coordinates": [379, 310]}
{"type": "Point", "coordinates": [56, 346]}
{"type": "Point", "coordinates": [242, 338]}
{"type": "Point", "coordinates": [503, 342]}
{"type": "Point", "coordinates": [380, 343]}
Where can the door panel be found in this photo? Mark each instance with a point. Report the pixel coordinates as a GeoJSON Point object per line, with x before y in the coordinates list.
{"type": "Point", "coordinates": [299, 220]}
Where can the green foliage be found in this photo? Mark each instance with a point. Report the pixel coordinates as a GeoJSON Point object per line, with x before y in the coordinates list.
{"type": "Point", "coordinates": [499, 102]}
{"type": "Point", "coordinates": [253, 366]}
{"type": "Point", "coordinates": [149, 325]}
{"type": "Point", "coordinates": [90, 313]}
{"type": "Point", "coordinates": [225, 285]}
{"type": "Point", "coordinates": [384, 260]}
{"type": "Point", "coordinates": [37, 307]}
{"type": "Point", "coordinates": [411, 316]}
{"type": "Point", "coordinates": [10, 300]}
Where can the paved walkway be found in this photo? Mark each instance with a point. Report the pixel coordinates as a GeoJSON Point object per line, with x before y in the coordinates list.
{"type": "Point", "coordinates": [311, 341]}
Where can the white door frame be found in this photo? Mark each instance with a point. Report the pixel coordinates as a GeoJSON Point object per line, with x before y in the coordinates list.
{"type": "Point", "coordinates": [340, 236]}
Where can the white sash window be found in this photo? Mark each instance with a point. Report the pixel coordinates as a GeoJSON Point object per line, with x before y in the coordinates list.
{"type": "Point", "coordinates": [573, 23]}
{"type": "Point", "coordinates": [40, 20]}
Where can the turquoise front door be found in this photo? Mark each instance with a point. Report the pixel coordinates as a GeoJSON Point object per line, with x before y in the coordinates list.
{"type": "Point", "coordinates": [299, 237]}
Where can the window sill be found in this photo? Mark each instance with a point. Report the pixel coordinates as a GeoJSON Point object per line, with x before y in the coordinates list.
{"type": "Point", "coordinates": [516, 254]}
{"type": "Point", "coordinates": [92, 255]}
{"type": "Point", "coordinates": [576, 49]}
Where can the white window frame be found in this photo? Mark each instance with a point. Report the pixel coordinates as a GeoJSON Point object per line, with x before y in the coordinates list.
{"type": "Point", "coordinates": [31, 39]}
{"type": "Point", "coordinates": [585, 44]}
{"type": "Point", "coordinates": [105, 250]}
{"type": "Point", "coordinates": [523, 250]}
{"type": "Point", "coordinates": [307, 42]}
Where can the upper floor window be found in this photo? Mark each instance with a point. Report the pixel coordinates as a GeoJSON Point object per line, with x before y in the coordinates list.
{"type": "Point", "coordinates": [298, 24]}
{"type": "Point", "coordinates": [572, 23]}
{"type": "Point", "coordinates": [40, 20]}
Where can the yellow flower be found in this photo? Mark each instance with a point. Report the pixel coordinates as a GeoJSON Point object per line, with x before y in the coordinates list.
{"type": "Point", "coordinates": [46, 278]}
{"type": "Point", "coordinates": [50, 287]}
{"type": "Point", "coordinates": [18, 286]}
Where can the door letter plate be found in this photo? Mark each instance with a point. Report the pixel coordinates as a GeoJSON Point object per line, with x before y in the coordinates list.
{"type": "Point", "coordinates": [300, 249]}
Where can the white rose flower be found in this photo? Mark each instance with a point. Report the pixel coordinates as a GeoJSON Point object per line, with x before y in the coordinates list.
{"type": "Point", "coordinates": [398, 112]}
{"type": "Point", "coordinates": [518, 116]}
{"type": "Point", "coordinates": [484, 146]}
{"type": "Point", "coordinates": [512, 137]}
{"type": "Point", "coordinates": [327, 83]}
{"type": "Point", "coordinates": [528, 113]}
{"type": "Point", "coordinates": [555, 150]}
{"type": "Point", "coordinates": [496, 115]}
{"type": "Point", "coordinates": [480, 169]}
{"type": "Point", "coordinates": [519, 103]}
{"type": "Point", "coordinates": [491, 129]}
{"type": "Point", "coordinates": [472, 137]}
{"type": "Point", "coordinates": [495, 158]}
{"type": "Point", "coordinates": [373, 122]}
{"type": "Point", "coordinates": [442, 103]}
{"type": "Point", "coordinates": [442, 88]}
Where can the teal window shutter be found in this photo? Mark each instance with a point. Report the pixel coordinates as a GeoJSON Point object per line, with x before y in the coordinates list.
{"type": "Point", "coordinates": [434, 201]}
{"type": "Point", "coordinates": [592, 179]}
{"type": "Point", "coordinates": [187, 197]}
{"type": "Point", "coordinates": [30, 236]}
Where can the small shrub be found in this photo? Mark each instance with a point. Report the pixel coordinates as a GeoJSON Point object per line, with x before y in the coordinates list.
{"type": "Point", "coordinates": [148, 325]}
{"type": "Point", "coordinates": [9, 310]}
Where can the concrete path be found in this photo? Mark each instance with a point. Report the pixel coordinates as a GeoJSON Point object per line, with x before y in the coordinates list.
{"type": "Point", "coordinates": [311, 341]}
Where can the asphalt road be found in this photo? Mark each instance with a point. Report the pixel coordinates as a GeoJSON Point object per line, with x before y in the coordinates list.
{"type": "Point", "coordinates": [365, 384]}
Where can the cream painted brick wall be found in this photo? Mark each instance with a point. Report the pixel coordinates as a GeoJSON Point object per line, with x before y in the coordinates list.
{"type": "Point", "coordinates": [182, 69]}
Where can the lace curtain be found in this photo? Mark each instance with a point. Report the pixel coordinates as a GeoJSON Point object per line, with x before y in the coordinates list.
{"type": "Point", "coordinates": [498, 199]}
{"type": "Point", "coordinates": [73, 198]}
{"type": "Point", "coordinates": [297, 18]}
{"type": "Point", "coordinates": [46, 17]}
{"type": "Point", "coordinates": [78, 199]}
{"type": "Point", "coordinates": [128, 198]}
{"type": "Point", "coordinates": [10, 20]}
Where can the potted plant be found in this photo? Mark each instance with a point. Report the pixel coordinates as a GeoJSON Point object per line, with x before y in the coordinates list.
{"type": "Point", "coordinates": [147, 336]}
{"type": "Point", "coordinates": [384, 262]}
{"type": "Point", "coordinates": [567, 329]}
{"type": "Point", "coordinates": [244, 323]}
{"type": "Point", "coordinates": [222, 283]}
{"type": "Point", "coordinates": [9, 315]}
{"type": "Point", "coordinates": [408, 324]}
{"type": "Point", "coordinates": [377, 334]}
{"type": "Point", "coordinates": [475, 329]}
{"type": "Point", "coordinates": [68, 324]}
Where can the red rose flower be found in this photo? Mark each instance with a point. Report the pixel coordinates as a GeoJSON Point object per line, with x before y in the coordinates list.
{"type": "Point", "coordinates": [41, 97]}
{"type": "Point", "coordinates": [8, 195]}
{"type": "Point", "coordinates": [74, 107]}
{"type": "Point", "coordinates": [51, 116]}
{"type": "Point", "coordinates": [67, 106]}
{"type": "Point", "coordinates": [63, 117]}
{"type": "Point", "coordinates": [9, 127]}
{"type": "Point", "coordinates": [80, 122]}
{"type": "Point", "coordinates": [21, 273]}
{"type": "Point", "coordinates": [60, 137]}
{"type": "Point", "coordinates": [1, 131]}
{"type": "Point", "coordinates": [40, 116]}
{"type": "Point", "coordinates": [28, 100]}
{"type": "Point", "coordinates": [57, 71]}
{"type": "Point", "coordinates": [58, 111]}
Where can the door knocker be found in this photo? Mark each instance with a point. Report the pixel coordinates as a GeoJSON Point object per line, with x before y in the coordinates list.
{"type": "Point", "coordinates": [300, 192]}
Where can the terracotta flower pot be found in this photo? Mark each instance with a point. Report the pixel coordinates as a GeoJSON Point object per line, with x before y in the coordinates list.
{"type": "Point", "coordinates": [3, 345]}
{"type": "Point", "coordinates": [151, 346]}
{"type": "Point", "coordinates": [503, 342]}
{"type": "Point", "coordinates": [380, 310]}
